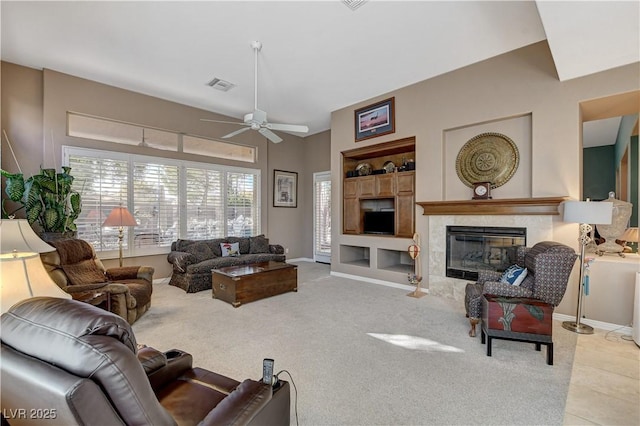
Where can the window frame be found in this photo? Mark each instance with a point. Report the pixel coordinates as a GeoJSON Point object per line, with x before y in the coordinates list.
{"type": "Point", "coordinates": [129, 249]}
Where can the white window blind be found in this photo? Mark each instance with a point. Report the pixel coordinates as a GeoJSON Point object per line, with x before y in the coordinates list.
{"type": "Point", "coordinates": [242, 214]}
{"type": "Point", "coordinates": [322, 216]}
{"type": "Point", "coordinates": [205, 204]}
{"type": "Point", "coordinates": [155, 203]}
{"type": "Point", "coordinates": [169, 199]}
{"type": "Point", "coordinates": [102, 183]}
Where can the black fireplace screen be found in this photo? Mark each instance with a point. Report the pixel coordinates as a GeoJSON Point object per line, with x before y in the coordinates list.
{"type": "Point", "coordinates": [474, 248]}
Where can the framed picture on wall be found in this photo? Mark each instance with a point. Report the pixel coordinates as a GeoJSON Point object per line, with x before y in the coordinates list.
{"type": "Point", "coordinates": [375, 120]}
{"type": "Point", "coordinates": [285, 189]}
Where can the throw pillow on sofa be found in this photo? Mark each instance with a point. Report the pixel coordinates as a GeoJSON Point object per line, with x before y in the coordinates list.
{"type": "Point", "coordinates": [258, 244]}
{"type": "Point", "coordinates": [230, 249]}
{"type": "Point", "coordinates": [201, 251]}
{"type": "Point", "coordinates": [243, 243]}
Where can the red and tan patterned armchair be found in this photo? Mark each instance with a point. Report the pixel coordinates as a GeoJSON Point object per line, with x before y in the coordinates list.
{"type": "Point", "coordinates": [76, 269]}
{"type": "Point", "coordinates": [549, 266]}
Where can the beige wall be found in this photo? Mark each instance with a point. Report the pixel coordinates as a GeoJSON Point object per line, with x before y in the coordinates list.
{"type": "Point", "coordinates": [34, 107]}
{"type": "Point", "coordinates": [516, 84]}
{"type": "Point", "coordinates": [21, 101]}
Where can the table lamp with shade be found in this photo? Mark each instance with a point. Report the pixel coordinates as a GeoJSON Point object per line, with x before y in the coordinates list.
{"type": "Point", "coordinates": [22, 274]}
{"type": "Point", "coordinates": [631, 235]}
{"type": "Point", "coordinates": [120, 217]}
{"type": "Point", "coordinates": [585, 213]}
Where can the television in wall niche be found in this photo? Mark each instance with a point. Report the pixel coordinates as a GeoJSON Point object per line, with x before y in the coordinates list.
{"type": "Point", "coordinates": [379, 222]}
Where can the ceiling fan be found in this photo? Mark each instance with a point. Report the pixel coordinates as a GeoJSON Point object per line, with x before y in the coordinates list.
{"type": "Point", "coordinates": [257, 120]}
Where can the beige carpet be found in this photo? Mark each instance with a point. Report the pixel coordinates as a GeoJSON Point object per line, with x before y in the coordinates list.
{"type": "Point", "coordinates": [346, 376]}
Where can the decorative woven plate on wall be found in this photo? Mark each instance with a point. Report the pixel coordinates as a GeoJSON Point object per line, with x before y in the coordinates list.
{"type": "Point", "coordinates": [488, 157]}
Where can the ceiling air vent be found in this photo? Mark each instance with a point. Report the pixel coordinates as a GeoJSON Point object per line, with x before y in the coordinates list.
{"type": "Point", "coordinates": [354, 4]}
{"type": "Point", "coordinates": [220, 84]}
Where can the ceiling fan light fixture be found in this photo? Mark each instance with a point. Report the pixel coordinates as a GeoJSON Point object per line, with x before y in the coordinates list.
{"type": "Point", "coordinates": [257, 120]}
{"type": "Point", "coordinates": [220, 84]}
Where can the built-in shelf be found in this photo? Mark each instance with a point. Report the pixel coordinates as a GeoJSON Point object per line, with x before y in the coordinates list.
{"type": "Point", "coordinates": [510, 206]}
{"type": "Point", "coordinates": [354, 255]}
{"type": "Point", "coordinates": [395, 261]}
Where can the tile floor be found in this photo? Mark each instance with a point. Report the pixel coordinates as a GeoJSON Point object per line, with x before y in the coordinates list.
{"type": "Point", "coordinates": [605, 381]}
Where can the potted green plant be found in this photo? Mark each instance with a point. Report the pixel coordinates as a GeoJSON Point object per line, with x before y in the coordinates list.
{"type": "Point", "coordinates": [48, 200]}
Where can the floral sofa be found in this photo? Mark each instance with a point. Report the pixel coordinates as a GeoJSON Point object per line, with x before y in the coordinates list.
{"type": "Point", "coordinates": [193, 260]}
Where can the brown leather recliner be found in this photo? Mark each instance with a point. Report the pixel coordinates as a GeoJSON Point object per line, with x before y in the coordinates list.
{"type": "Point", "coordinates": [75, 364]}
{"type": "Point", "coordinates": [76, 268]}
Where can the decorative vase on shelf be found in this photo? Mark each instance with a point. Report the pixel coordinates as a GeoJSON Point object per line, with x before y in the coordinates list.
{"type": "Point", "coordinates": [619, 221]}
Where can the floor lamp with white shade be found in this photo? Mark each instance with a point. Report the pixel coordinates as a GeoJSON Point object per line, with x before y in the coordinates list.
{"type": "Point", "coordinates": [585, 213]}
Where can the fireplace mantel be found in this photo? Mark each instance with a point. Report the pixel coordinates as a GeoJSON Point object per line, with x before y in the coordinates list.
{"type": "Point", "coordinates": [511, 206]}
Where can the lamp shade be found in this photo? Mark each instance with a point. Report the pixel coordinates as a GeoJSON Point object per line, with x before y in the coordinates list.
{"type": "Point", "coordinates": [591, 212]}
{"type": "Point", "coordinates": [17, 235]}
{"type": "Point", "coordinates": [631, 235]}
{"type": "Point", "coordinates": [120, 216]}
{"type": "Point", "coordinates": [22, 276]}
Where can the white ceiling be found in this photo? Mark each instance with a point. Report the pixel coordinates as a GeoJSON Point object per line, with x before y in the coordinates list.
{"type": "Point", "coordinates": [317, 57]}
{"type": "Point", "coordinates": [600, 132]}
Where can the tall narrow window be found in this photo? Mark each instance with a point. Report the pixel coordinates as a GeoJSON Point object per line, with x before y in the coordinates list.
{"type": "Point", "coordinates": [103, 184]}
{"type": "Point", "coordinates": [322, 217]}
{"type": "Point", "coordinates": [205, 204]}
{"type": "Point", "coordinates": [242, 216]}
{"type": "Point", "coordinates": [155, 204]}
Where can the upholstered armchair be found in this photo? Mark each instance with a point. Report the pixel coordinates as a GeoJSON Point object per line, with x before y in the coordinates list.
{"type": "Point", "coordinates": [549, 266]}
{"type": "Point", "coordinates": [75, 364]}
{"type": "Point", "coordinates": [76, 268]}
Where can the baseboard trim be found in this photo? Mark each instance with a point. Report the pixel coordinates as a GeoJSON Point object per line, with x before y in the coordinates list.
{"type": "Point", "coordinates": [376, 281]}
{"type": "Point", "coordinates": [622, 329]}
{"type": "Point", "coordinates": [301, 259]}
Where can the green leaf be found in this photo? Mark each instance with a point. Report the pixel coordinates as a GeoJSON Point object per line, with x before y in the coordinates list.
{"type": "Point", "coordinates": [51, 218]}
{"type": "Point", "coordinates": [34, 213]}
{"type": "Point", "coordinates": [15, 186]}
{"type": "Point", "coordinates": [75, 203]}
{"type": "Point", "coordinates": [535, 312]}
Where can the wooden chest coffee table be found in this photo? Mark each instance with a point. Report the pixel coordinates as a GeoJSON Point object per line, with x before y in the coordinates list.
{"type": "Point", "coordinates": [247, 283]}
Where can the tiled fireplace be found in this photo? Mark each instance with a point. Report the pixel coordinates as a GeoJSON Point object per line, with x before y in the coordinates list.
{"type": "Point", "coordinates": [538, 228]}
{"type": "Point", "coordinates": [471, 249]}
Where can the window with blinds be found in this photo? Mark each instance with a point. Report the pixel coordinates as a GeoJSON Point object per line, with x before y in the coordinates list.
{"type": "Point", "coordinates": [240, 213]}
{"type": "Point", "coordinates": [169, 199]}
{"type": "Point", "coordinates": [322, 216]}
{"type": "Point", "coordinates": [205, 204]}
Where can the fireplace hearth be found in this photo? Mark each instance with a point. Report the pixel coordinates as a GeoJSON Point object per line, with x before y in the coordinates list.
{"type": "Point", "coordinates": [474, 248]}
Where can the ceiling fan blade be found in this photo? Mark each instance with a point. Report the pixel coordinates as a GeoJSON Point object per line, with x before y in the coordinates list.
{"type": "Point", "coordinates": [224, 122]}
{"type": "Point", "coordinates": [270, 135]}
{"type": "Point", "coordinates": [287, 127]}
{"type": "Point", "coordinates": [237, 132]}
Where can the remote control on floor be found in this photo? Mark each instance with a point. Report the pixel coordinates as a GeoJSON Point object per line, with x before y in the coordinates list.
{"type": "Point", "coordinates": [267, 371]}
